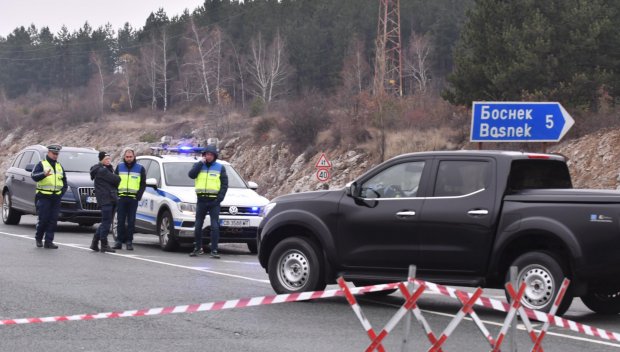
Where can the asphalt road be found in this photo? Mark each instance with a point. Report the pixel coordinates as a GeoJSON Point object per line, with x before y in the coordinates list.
{"type": "Point", "coordinates": [37, 282]}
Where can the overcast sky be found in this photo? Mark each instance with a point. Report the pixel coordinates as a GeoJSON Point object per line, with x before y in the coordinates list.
{"type": "Point", "coordinates": [73, 13]}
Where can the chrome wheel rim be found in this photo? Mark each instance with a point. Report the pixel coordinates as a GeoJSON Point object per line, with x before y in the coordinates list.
{"type": "Point", "coordinates": [293, 270]}
{"type": "Point", "coordinates": [6, 206]}
{"type": "Point", "coordinates": [164, 231]}
{"type": "Point", "coordinates": [539, 286]}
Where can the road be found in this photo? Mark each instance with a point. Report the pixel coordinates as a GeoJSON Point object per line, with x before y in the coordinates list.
{"type": "Point", "coordinates": [37, 282]}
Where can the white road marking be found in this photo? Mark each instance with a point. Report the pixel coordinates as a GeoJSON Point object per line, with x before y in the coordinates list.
{"type": "Point", "coordinates": [519, 326]}
{"type": "Point", "coordinates": [137, 257]}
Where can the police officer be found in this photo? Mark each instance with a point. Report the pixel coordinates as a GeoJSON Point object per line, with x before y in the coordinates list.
{"type": "Point", "coordinates": [130, 190]}
{"type": "Point", "coordinates": [211, 184]}
{"type": "Point", "coordinates": [51, 186]}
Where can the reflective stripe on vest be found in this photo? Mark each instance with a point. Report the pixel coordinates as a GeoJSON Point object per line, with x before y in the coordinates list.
{"type": "Point", "coordinates": [51, 184]}
{"type": "Point", "coordinates": [208, 181]}
{"type": "Point", "coordinates": [130, 180]}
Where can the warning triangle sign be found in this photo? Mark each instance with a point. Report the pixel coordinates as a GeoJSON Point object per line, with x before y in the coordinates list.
{"type": "Point", "coordinates": [323, 162]}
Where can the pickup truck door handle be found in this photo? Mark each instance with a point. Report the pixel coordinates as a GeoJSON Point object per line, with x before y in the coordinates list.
{"type": "Point", "coordinates": [478, 212]}
{"type": "Point", "coordinates": [405, 214]}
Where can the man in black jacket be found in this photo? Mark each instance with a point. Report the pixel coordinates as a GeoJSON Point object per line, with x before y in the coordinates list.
{"type": "Point", "coordinates": [130, 190]}
{"type": "Point", "coordinates": [106, 187]}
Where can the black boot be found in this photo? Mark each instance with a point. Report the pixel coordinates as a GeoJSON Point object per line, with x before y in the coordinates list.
{"type": "Point", "coordinates": [39, 242]}
{"type": "Point", "coordinates": [50, 245]}
{"type": "Point", "coordinates": [94, 245]}
{"type": "Point", "coordinates": [105, 247]}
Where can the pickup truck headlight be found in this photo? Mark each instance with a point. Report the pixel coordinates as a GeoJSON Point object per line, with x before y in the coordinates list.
{"type": "Point", "coordinates": [267, 208]}
{"type": "Point", "coordinates": [187, 207]}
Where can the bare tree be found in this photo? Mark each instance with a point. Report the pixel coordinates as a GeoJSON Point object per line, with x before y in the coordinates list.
{"type": "Point", "coordinates": [355, 69]}
{"type": "Point", "coordinates": [147, 53]}
{"type": "Point", "coordinates": [200, 55]}
{"type": "Point", "coordinates": [268, 67]}
{"type": "Point", "coordinates": [240, 72]}
{"type": "Point", "coordinates": [128, 74]}
{"type": "Point", "coordinates": [163, 68]}
{"type": "Point", "coordinates": [416, 61]}
{"type": "Point", "coordinates": [96, 60]}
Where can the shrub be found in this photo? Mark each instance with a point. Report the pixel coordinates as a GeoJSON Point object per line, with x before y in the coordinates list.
{"type": "Point", "coordinates": [257, 107]}
{"type": "Point", "coordinates": [149, 137]}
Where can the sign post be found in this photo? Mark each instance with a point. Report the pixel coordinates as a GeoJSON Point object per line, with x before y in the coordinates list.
{"type": "Point", "coordinates": [323, 166]}
{"type": "Point", "coordinates": [519, 122]}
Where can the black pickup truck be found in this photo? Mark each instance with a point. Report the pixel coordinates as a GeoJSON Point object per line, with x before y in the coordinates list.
{"type": "Point", "coordinates": [463, 218]}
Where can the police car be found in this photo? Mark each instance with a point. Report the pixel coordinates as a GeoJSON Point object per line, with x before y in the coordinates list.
{"type": "Point", "coordinates": [168, 206]}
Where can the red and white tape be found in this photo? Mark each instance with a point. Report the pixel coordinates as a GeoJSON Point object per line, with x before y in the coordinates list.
{"type": "Point", "coordinates": [532, 314]}
{"type": "Point", "coordinates": [203, 307]}
{"type": "Point", "coordinates": [305, 296]}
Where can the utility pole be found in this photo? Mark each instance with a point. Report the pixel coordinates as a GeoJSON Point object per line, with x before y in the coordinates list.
{"type": "Point", "coordinates": [388, 59]}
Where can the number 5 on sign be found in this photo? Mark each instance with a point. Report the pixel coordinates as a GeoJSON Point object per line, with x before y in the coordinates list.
{"type": "Point", "coordinates": [322, 175]}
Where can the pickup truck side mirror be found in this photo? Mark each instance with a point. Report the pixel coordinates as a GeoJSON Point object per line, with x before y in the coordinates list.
{"type": "Point", "coordinates": [351, 189]}
{"type": "Point", "coordinates": [151, 182]}
{"type": "Point", "coordinates": [253, 185]}
{"type": "Point", "coordinates": [29, 167]}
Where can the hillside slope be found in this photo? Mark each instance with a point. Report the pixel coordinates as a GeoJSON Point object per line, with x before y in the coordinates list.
{"type": "Point", "coordinates": [594, 159]}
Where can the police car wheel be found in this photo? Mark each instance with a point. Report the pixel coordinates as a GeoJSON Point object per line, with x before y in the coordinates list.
{"type": "Point", "coordinates": [10, 216]}
{"type": "Point", "coordinates": [165, 232]}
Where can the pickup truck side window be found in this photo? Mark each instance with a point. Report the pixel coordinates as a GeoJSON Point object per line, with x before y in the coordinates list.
{"type": "Point", "coordinates": [458, 178]}
{"type": "Point", "coordinates": [397, 181]}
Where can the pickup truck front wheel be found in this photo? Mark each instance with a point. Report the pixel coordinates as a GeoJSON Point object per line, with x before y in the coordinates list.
{"type": "Point", "coordinates": [295, 265]}
{"type": "Point", "coordinates": [603, 301]}
{"type": "Point", "coordinates": [542, 275]}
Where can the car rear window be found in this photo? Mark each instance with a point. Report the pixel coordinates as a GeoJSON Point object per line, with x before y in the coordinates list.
{"type": "Point", "coordinates": [538, 174]}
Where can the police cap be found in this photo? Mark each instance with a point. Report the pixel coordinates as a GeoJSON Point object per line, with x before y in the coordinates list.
{"type": "Point", "coordinates": [54, 148]}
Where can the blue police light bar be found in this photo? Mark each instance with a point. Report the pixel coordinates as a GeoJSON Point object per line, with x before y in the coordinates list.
{"type": "Point", "coordinates": [185, 149]}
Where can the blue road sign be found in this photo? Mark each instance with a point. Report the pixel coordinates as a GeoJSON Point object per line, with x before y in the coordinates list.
{"type": "Point", "coordinates": [519, 122]}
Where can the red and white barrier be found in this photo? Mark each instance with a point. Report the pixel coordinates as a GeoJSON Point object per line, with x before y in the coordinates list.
{"type": "Point", "coordinates": [410, 305]}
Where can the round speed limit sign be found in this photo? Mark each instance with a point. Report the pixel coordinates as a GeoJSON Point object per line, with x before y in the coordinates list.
{"type": "Point", "coordinates": [322, 175]}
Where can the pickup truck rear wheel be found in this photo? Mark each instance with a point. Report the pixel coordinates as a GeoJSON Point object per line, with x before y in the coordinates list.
{"type": "Point", "coordinates": [603, 301]}
{"type": "Point", "coordinates": [542, 275]}
{"type": "Point", "coordinates": [296, 265]}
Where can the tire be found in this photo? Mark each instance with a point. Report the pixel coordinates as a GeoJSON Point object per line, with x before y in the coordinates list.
{"type": "Point", "coordinates": [296, 265]}
{"type": "Point", "coordinates": [376, 293]}
{"type": "Point", "coordinates": [165, 232]}
{"type": "Point", "coordinates": [543, 276]}
{"type": "Point", "coordinates": [253, 247]}
{"type": "Point", "coordinates": [603, 301]}
{"type": "Point", "coordinates": [10, 216]}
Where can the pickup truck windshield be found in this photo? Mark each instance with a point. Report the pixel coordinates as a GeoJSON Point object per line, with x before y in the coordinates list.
{"type": "Point", "coordinates": [538, 174]}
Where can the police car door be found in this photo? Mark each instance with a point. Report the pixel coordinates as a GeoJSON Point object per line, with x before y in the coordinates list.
{"type": "Point", "coordinates": [146, 216]}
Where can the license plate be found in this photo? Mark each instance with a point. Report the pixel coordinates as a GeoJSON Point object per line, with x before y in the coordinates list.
{"type": "Point", "coordinates": [91, 199]}
{"type": "Point", "coordinates": [235, 222]}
